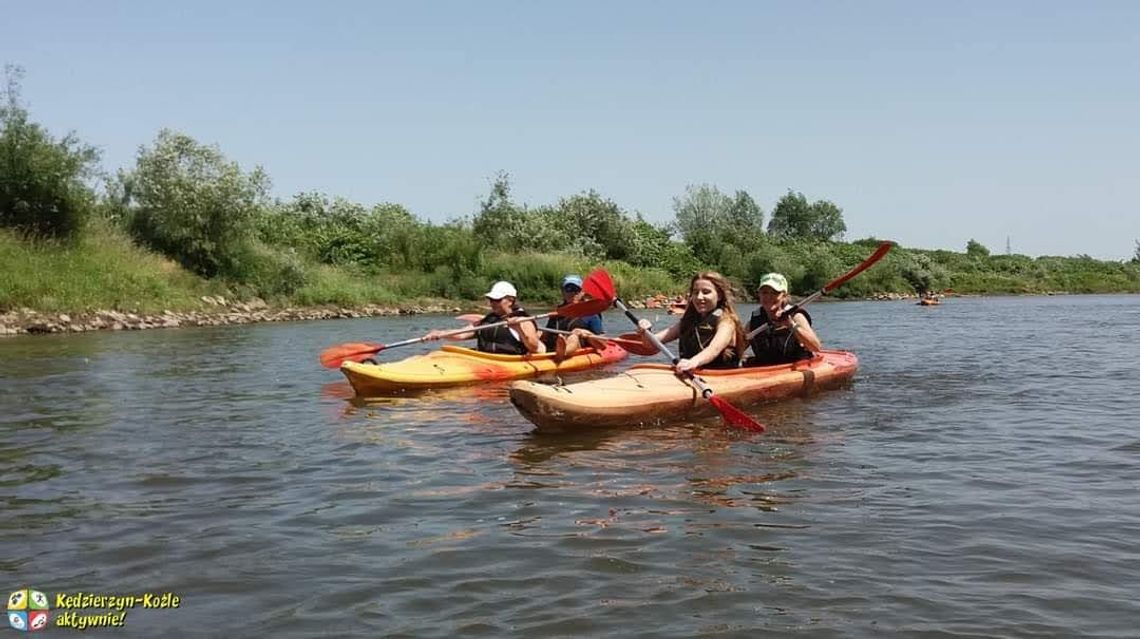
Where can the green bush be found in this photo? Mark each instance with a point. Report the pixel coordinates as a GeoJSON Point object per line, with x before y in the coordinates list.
{"type": "Point", "coordinates": [42, 181]}
{"type": "Point", "coordinates": [267, 272]}
{"type": "Point", "coordinates": [190, 203]}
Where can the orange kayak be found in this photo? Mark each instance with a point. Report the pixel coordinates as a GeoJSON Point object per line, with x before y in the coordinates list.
{"type": "Point", "coordinates": [457, 366]}
{"type": "Point", "coordinates": [652, 393]}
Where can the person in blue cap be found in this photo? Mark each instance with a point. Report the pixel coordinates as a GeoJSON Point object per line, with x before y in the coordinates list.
{"type": "Point", "coordinates": [566, 345]}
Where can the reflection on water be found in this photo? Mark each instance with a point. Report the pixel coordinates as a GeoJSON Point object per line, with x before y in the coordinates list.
{"type": "Point", "coordinates": [225, 465]}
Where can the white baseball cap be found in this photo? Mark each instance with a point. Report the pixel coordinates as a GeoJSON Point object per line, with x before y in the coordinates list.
{"type": "Point", "coordinates": [501, 290]}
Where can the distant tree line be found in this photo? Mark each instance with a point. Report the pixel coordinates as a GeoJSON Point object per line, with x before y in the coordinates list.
{"type": "Point", "coordinates": [187, 201]}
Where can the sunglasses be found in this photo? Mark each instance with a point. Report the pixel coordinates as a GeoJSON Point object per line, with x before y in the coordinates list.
{"type": "Point", "coordinates": [570, 288]}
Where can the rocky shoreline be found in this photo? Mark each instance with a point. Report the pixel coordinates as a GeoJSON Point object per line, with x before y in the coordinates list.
{"type": "Point", "coordinates": [224, 312]}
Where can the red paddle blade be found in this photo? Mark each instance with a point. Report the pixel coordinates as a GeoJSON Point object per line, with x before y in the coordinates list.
{"type": "Point", "coordinates": [733, 416]}
{"type": "Point", "coordinates": [599, 286]}
{"type": "Point", "coordinates": [633, 343]}
{"type": "Point", "coordinates": [883, 249]}
{"type": "Point", "coordinates": [584, 308]}
{"type": "Point", "coordinates": [334, 356]}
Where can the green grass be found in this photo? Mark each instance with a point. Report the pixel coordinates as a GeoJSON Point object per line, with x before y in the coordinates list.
{"type": "Point", "coordinates": [101, 270]}
{"type": "Point", "coordinates": [104, 270]}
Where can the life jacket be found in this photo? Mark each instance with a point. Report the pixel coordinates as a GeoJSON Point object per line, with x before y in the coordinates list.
{"type": "Point", "coordinates": [562, 323]}
{"type": "Point", "coordinates": [501, 339]}
{"type": "Point", "coordinates": [774, 346]}
{"type": "Point", "coordinates": [696, 335]}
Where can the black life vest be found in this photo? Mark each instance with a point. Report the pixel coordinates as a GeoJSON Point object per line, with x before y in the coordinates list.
{"type": "Point", "coordinates": [696, 335]}
{"type": "Point", "coordinates": [500, 339]}
{"type": "Point", "coordinates": [778, 346]}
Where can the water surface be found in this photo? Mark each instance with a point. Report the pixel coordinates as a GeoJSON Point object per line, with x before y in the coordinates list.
{"type": "Point", "coordinates": [978, 479]}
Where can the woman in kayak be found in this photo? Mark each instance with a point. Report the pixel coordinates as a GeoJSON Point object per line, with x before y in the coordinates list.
{"type": "Point", "coordinates": [786, 337]}
{"type": "Point", "coordinates": [710, 331]}
{"type": "Point", "coordinates": [520, 337]}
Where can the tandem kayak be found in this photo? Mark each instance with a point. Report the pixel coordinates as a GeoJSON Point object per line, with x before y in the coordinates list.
{"type": "Point", "coordinates": [456, 366]}
{"type": "Point", "coordinates": [650, 393]}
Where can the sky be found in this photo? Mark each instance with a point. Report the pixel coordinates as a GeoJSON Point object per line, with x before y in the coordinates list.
{"type": "Point", "coordinates": [928, 123]}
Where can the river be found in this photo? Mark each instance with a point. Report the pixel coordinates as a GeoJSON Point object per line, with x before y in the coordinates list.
{"type": "Point", "coordinates": [979, 478]}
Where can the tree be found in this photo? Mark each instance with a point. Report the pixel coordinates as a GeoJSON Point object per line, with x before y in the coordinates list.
{"type": "Point", "coordinates": [795, 218]}
{"type": "Point", "coordinates": [505, 225]}
{"type": "Point", "coordinates": [191, 203]}
{"type": "Point", "coordinates": [596, 226]}
{"type": "Point", "coordinates": [715, 225]}
{"type": "Point", "coordinates": [1136, 255]}
{"type": "Point", "coordinates": [42, 181]}
{"type": "Point", "coordinates": [923, 274]}
{"type": "Point", "coordinates": [976, 249]}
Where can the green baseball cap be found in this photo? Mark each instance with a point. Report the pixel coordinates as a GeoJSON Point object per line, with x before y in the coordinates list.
{"type": "Point", "coordinates": [775, 281]}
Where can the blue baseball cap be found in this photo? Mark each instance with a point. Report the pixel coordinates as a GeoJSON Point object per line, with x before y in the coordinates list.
{"type": "Point", "coordinates": [571, 280]}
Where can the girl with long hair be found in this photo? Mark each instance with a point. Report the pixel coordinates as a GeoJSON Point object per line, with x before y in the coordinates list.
{"type": "Point", "coordinates": [710, 332]}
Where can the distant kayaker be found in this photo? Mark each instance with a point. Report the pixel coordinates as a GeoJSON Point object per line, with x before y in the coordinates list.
{"type": "Point", "coordinates": [518, 338]}
{"type": "Point", "coordinates": [787, 337]}
{"type": "Point", "coordinates": [710, 331]}
{"type": "Point", "coordinates": [567, 345]}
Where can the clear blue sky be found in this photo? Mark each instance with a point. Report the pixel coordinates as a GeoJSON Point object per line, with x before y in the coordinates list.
{"type": "Point", "coordinates": [929, 123]}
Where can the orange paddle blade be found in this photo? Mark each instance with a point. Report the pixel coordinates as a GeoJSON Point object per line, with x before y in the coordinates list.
{"type": "Point", "coordinates": [334, 356]}
{"type": "Point", "coordinates": [733, 416]}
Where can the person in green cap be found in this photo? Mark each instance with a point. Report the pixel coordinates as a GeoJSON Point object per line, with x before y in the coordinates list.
{"type": "Point", "coordinates": [786, 337]}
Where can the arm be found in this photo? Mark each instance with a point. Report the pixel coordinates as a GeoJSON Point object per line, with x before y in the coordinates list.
{"type": "Point", "coordinates": [804, 333]}
{"type": "Point", "coordinates": [666, 336]}
{"type": "Point", "coordinates": [725, 334]}
{"type": "Point", "coordinates": [441, 334]}
{"type": "Point", "coordinates": [528, 333]}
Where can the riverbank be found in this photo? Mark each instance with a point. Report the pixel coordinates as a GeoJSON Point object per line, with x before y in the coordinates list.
{"type": "Point", "coordinates": [223, 312]}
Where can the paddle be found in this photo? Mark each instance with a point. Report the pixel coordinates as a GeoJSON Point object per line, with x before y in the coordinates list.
{"type": "Point", "coordinates": [883, 249]}
{"type": "Point", "coordinates": [731, 415]}
{"type": "Point", "coordinates": [631, 344]}
{"type": "Point", "coordinates": [602, 294]}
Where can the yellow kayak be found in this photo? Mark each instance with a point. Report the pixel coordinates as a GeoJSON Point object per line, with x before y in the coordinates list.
{"type": "Point", "coordinates": [456, 366]}
{"type": "Point", "coordinates": [651, 393]}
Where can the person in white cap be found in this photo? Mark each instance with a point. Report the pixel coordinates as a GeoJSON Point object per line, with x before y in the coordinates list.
{"type": "Point", "coordinates": [517, 338]}
{"type": "Point", "coordinates": [788, 336]}
{"type": "Point", "coordinates": [581, 327]}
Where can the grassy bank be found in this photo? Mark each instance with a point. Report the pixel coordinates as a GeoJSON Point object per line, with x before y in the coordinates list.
{"type": "Point", "coordinates": [100, 269]}
{"type": "Point", "coordinates": [103, 269]}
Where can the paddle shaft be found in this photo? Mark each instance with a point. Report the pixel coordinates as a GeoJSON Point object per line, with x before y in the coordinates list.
{"type": "Point", "coordinates": [706, 392]}
{"type": "Point", "coordinates": [618, 340]}
{"type": "Point", "coordinates": [883, 249]}
{"type": "Point", "coordinates": [468, 329]}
